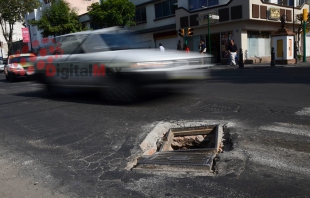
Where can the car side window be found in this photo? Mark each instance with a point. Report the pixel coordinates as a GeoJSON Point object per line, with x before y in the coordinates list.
{"type": "Point", "coordinates": [94, 43]}
{"type": "Point", "coordinates": [71, 44]}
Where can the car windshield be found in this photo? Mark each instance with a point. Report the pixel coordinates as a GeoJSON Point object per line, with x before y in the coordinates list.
{"type": "Point", "coordinates": [20, 59]}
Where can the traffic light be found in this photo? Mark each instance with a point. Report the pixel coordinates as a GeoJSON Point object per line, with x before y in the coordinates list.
{"type": "Point", "coordinates": [190, 32]}
{"type": "Point", "coordinates": [181, 32]}
{"type": "Point", "coordinates": [305, 14]}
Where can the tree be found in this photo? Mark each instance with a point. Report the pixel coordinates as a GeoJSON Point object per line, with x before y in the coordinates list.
{"type": "Point", "coordinates": [12, 11]}
{"type": "Point", "coordinates": [112, 13]}
{"type": "Point", "coordinates": [58, 19]}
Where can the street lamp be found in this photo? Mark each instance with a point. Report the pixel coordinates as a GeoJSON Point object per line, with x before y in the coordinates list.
{"type": "Point", "coordinates": [295, 45]}
{"type": "Point", "coordinates": [209, 37]}
{"type": "Point", "coordinates": [210, 16]}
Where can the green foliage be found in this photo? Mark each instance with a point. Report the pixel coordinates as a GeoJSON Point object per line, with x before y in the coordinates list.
{"type": "Point", "coordinates": [112, 13]}
{"type": "Point", "coordinates": [12, 11]}
{"type": "Point", "coordinates": [58, 19]}
{"type": "Point", "coordinates": [15, 10]}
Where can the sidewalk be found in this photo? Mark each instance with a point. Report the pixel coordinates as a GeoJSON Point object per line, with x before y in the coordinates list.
{"type": "Point", "coordinates": [264, 65]}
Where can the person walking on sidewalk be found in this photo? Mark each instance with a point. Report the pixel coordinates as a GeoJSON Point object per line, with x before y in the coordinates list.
{"type": "Point", "coordinates": [202, 47]}
{"type": "Point", "coordinates": [232, 49]}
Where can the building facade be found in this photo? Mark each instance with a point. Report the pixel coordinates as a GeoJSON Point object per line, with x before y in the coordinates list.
{"type": "Point", "coordinates": [17, 36]}
{"type": "Point", "coordinates": [81, 5]}
{"type": "Point", "coordinates": [250, 23]}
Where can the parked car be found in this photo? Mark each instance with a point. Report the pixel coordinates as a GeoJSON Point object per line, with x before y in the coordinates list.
{"type": "Point", "coordinates": [114, 61]}
{"type": "Point", "coordinates": [19, 65]}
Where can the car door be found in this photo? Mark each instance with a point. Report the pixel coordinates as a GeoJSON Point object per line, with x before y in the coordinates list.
{"type": "Point", "coordinates": [61, 67]}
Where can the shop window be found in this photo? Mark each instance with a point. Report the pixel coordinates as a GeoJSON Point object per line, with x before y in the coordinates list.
{"type": "Point", "coordinates": [165, 8]}
{"type": "Point", "coordinates": [258, 44]}
{"type": "Point", "coordinates": [140, 15]}
{"type": "Point", "coordinates": [225, 40]}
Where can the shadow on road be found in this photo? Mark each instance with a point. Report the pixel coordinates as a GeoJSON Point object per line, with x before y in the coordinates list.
{"type": "Point", "coordinates": [94, 97]}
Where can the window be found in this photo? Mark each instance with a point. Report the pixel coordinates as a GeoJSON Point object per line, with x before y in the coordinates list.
{"type": "Point", "coordinates": [140, 15]}
{"type": "Point", "coordinates": [286, 2]}
{"type": "Point", "coordinates": [165, 8]}
{"type": "Point", "coordinates": [198, 4]}
{"type": "Point", "coordinates": [258, 44]}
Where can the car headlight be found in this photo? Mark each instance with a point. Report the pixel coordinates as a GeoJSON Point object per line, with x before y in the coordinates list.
{"type": "Point", "coordinates": [152, 65]}
{"type": "Point", "coordinates": [15, 68]}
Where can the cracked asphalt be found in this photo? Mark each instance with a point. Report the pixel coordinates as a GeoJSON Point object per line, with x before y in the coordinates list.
{"type": "Point", "coordinates": [73, 144]}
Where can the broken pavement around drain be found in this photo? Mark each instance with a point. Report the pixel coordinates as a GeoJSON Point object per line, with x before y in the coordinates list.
{"type": "Point", "coordinates": [181, 146]}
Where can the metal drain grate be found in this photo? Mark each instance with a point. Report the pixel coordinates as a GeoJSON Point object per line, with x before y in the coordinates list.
{"type": "Point", "coordinates": [191, 156]}
{"type": "Point", "coordinates": [180, 158]}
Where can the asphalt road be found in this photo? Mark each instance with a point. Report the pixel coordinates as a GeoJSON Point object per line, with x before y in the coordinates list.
{"type": "Point", "coordinates": [76, 145]}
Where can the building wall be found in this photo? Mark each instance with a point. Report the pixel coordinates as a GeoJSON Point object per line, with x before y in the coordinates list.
{"type": "Point", "coordinates": [81, 5]}
{"type": "Point", "coordinates": [17, 36]}
{"type": "Point", "coordinates": [37, 41]}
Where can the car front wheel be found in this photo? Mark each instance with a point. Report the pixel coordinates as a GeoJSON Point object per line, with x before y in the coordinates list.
{"type": "Point", "coordinates": [10, 77]}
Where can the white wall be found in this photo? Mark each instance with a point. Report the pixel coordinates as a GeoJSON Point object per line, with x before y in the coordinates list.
{"type": "Point", "coordinates": [35, 34]}
{"type": "Point", "coordinates": [17, 35]}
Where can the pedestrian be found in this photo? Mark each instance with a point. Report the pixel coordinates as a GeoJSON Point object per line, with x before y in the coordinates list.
{"type": "Point", "coordinates": [185, 48]}
{"type": "Point", "coordinates": [179, 45]}
{"type": "Point", "coordinates": [202, 50]}
{"type": "Point", "coordinates": [161, 47]}
{"type": "Point", "coordinates": [232, 49]}
{"type": "Point", "coordinates": [202, 46]}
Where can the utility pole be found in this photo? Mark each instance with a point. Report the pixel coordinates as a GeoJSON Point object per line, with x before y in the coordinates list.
{"type": "Point", "coordinates": [210, 16]}
{"type": "Point", "coordinates": [294, 48]}
{"type": "Point", "coordinates": [209, 36]}
{"type": "Point", "coordinates": [304, 18]}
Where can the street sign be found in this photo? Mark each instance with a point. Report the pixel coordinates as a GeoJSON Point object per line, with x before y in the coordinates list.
{"type": "Point", "coordinates": [204, 18]}
{"type": "Point", "coordinates": [26, 37]}
{"type": "Point", "coordinates": [214, 16]}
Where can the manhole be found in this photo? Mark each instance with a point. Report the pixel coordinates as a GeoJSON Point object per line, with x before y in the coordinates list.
{"type": "Point", "coordinates": [185, 148]}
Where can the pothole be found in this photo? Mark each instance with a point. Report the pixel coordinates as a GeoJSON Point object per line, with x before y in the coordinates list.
{"type": "Point", "coordinates": [190, 148]}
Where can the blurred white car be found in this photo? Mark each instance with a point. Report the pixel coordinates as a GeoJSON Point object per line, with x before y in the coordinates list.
{"type": "Point", "coordinates": [113, 61]}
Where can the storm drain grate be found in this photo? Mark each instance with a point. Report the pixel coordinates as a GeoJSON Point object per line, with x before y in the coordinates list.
{"type": "Point", "coordinates": [183, 159]}
{"type": "Point", "coordinates": [190, 147]}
